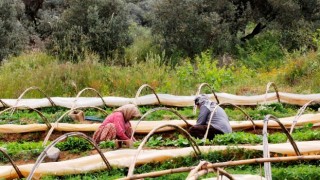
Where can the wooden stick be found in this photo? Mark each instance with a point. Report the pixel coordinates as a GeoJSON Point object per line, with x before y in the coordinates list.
{"type": "Point", "coordinates": [223, 164]}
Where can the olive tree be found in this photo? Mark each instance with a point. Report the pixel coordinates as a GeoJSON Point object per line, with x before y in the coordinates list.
{"type": "Point", "coordinates": [100, 26]}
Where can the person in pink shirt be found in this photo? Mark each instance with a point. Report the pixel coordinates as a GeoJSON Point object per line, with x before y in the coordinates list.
{"type": "Point", "coordinates": [117, 126]}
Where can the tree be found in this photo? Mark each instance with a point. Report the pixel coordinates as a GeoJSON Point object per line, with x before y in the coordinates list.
{"type": "Point", "coordinates": [100, 26]}
{"type": "Point", "coordinates": [192, 26]}
{"type": "Point", "coordinates": [32, 7]}
{"type": "Point", "coordinates": [13, 36]}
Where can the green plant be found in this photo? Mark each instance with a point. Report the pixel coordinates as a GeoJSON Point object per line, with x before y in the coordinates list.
{"type": "Point", "coordinates": [261, 52]}
{"type": "Point", "coordinates": [107, 144]}
{"type": "Point", "coordinates": [237, 138]}
{"type": "Point", "coordinates": [98, 26]}
{"type": "Point", "coordinates": [21, 150]}
{"type": "Point", "coordinates": [74, 145]}
{"type": "Point", "coordinates": [13, 36]}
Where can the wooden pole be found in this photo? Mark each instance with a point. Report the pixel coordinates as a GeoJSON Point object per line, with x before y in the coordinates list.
{"type": "Point", "coordinates": [223, 164]}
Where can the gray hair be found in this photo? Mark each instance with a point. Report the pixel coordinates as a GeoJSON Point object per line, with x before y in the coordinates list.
{"type": "Point", "coordinates": [200, 99]}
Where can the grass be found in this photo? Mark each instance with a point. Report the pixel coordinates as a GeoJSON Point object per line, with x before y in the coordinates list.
{"type": "Point", "coordinates": [297, 75]}
{"type": "Point", "coordinates": [65, 79]}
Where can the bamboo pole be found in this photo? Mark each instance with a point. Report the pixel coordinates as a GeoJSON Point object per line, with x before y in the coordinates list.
{"type": "Point", "coordinates": [45, 120]}
{"type": "Point", "coordinates": [27, 90]}
{"type": "Point", "coordinates": [300, 111]}
{"type": "Point", "coordinates": [198, 92]}
{"type": "Point", "coordinates": [88, 89]}
{"type": "Point", "coordinates": [267, 90]}
{"type": "Point", "coordinates": [159, 109]}
{"type": "Point", "coordinates": [180, 130]}
{"type": "Point", "coordinates": [63, 137]}
{"type": "Point", "coordinates": [56, 123]}
{"type": "Point", "coordinates": [139, 92]}
{"type": "Point", "coordinates": [223, 164]}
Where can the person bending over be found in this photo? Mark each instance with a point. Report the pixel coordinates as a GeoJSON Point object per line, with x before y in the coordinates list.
{"type": "Point", "coordinates": [219, 123]}
{"type": "Point", "coordinates": [117, 126]}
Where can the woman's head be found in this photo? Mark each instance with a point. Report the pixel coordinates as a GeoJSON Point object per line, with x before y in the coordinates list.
{"type": "Point", "coordinates": [200, 99]}
{"type": "Point", "coordinates": [129, 111]}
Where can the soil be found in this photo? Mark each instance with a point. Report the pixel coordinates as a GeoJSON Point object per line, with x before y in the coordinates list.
{"type": "Point", "coordinates": [33, 136]}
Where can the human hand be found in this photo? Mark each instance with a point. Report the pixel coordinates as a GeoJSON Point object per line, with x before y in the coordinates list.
{"type": "Point", "coordinates": [129, 143]}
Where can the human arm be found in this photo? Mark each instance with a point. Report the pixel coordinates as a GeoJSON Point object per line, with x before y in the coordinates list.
{"type": "Point", "coordinates": [203, 115]}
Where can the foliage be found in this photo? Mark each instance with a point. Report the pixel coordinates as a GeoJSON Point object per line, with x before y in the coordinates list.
{"type": "Point", "coordinates": [54, 78]}
{"type": "Point", "coordinates": [237, 138]}
{"type": "Point", "coordinates": [99, 26]}
{"type": "Point", "coordinates": [263, 52]}
{"type": "Point", "coordinates": [142, 46]}
{"type": "Point", "coordinates": [21, 150]}
{"type": "Point", "coordinates": [63, 78]}
{"type": "Point", "coordinates": [260, 111]}
{"type": "Point", "coordinates": [301, 69]}
{"type": "Point", "coordinates": [190, 27]}
{"type": "Point", "coordinates": [107, 145]}
{"type": "Point", "coordinates": [297, 172]}
{"type": "Point", "coordinates": [13, 36]}
{"type": "Point", "coordinates": [74, 145]}
{"type": "Point", "coordinates": [204, 69]}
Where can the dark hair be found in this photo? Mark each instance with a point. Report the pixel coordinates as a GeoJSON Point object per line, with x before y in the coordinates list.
{"type": "Point", "coordinates": [196, 101]}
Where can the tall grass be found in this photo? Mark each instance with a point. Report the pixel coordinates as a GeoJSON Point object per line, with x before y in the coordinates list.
{"type": "Point", "coordinates": [302, 72]}
{"type": "Point", "coordinates": [61, 78]}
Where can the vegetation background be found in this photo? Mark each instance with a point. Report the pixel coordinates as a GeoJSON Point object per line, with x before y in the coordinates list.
{"type": "Point", "coordinates": [115, 46]}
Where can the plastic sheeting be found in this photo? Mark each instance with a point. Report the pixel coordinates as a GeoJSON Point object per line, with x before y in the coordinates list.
{"type": "Point", "coordinates": [165, 99]}
{"type": "Point", "coordinates": [147, 126]}
{"type": "Point", "coordinates": [124, 157]}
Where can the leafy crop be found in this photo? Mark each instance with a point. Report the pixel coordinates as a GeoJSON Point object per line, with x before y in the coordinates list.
{"type": "Point", "coordinates": [237, 138]}
{"type": "Point", "coordinates": [74, 145]}
{"type": "Point", "coordinates": [21, 150]}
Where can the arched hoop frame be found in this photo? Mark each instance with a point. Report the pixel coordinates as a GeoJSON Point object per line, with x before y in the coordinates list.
{"type": "Point", "coordinates": [214, 111]}
{"type": "Point", "coordinates": [61, 138]}
{"type": "Point", "coordinates": [29, 89]}
{"type": "Point", "coordinates": [139, 92]}
{"type": "Point", "coordinates": [87, 89]}
{"type": "Point", "coordinates": [266, 152]}
{"type": "Point", "coordinates": [45, 120]}
{"type": "Point", "coordinates": [12, 163]}
{"type": "Point", "coordinates": [267, 90]}
{"type": "Point", "coordinates": [3, 104]}
{"type": "Point", "coordinates": [223, 164]}
{"type": "Point", "coordinates": [159, 109]}
{"type": "Point", "coordinates": [300, 111]}
{"type": "Point", "coordinates": [198, 92]}
{"type": "Point", "coordinates": [178, 128]}
{"type": "Point", "coordinates": [62, 116]}
{"type": "Point", "coordinates": [245, 113]}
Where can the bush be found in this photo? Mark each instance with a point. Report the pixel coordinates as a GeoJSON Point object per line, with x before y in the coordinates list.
{"type": "Point", "coordinates": [261, 52]}
{"type": "Point", "coordinates": [301, 70]}
{"type": "Point", "coordinates": [13, 36]}
{"type": "Point", "coordinates": [100, 26]}
{"type": "Point", "coordinates": [204, 69]}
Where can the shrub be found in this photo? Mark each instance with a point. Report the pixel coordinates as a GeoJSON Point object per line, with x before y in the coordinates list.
{"type": "Point", "coordinates": [301, 70]}
{"type": "Point", "coordinates": [261, 52]}
{"type": "Point", "coordinates": [13, 36]}
{"type": "Point", "coordinates": [204, 69]}
{"type": "Point", "coordinates": [100, 26]}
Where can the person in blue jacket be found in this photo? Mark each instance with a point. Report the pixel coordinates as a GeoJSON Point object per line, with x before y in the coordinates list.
{"type": "Point", "coordinates": [219, 123]}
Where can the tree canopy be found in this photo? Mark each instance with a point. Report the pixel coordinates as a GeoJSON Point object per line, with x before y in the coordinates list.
{"type": "Point", "coordinates": [181, 27]}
